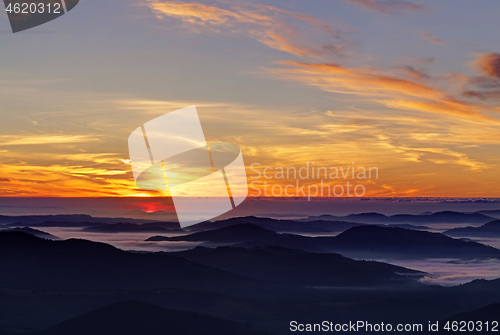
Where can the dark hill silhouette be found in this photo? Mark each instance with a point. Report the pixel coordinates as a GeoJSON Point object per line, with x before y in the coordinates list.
{"type": "Point", "coordinates": [490, 229]}
{"type": "Point", "coordinates": [366, 242]}
{"type": "Point", "coordinates": [139, 318]}
{"type": "Point", "coordinates": [360, 218]}
{"type": "Point", "coordinates": [35, 232]}
{"type": "Point", "coordinates": [40, 218]}
{"type": "Point", "coordinates": [491, 212]}
{"type": "Point", "coordinates": [298, 226]}
{"type": "Point", "coordinates": [438, 217]}
{"type": "Point", "coordinates": [125, 227]}
{"type": "Point", "coordinates": [378, 241]}
{"type": "Point", "coordinates": [367, 217]}
{"type": "Point", "coordinates": [481, 284]}
{"type": "Point", "coordinates": [447, 217]}
{"type": "Point", "coordinates": [230, 234]}
{"type": "Point", "coordinates": [290, 266]}
{"type": "Point", "coordinates": [278, 225]}
{"type": "Point", "coordinates": [63, 220]}
{"type": "Point", "coordinates": [57, 280]}
{"type": "Point", "coordinates": [65, 224]}
{"type": "Point", "coordinates": [29, 262]}
{"type": "Point", "coordinates": [405, 226]}
{"type": "Point", "coordinates": [245, 234]}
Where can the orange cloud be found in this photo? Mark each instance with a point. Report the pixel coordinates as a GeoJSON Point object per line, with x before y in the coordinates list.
{"type": "Point", "coordinates": [70, 180]}
{"type": "Point", "coordinates": [489, 64]}
{"type": "Point", "coordinates": [202, 14]}
{"type": "Point", "coordinates": [267, 24]}
{"type": "Point", "coordinates": [277, 41]}
{"type": "Point", "coordinates": [456, 108]}
{"type": "Point", "coordinates": [485, 86]}
{"type": "Point", "coordinates": [375, 84]}
{"type": "Point", "coordinates": [336, 78]}
{"type": "Point", "coordinates": [7, 140]}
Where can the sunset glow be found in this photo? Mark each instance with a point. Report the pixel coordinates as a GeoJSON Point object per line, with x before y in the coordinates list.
{"type": "Point", "coordinates": [346, 83]}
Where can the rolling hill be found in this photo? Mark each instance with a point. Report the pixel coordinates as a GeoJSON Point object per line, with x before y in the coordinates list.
{"type": "Point", "coordinates": [137, 318]}
{"type": "Point", "coordinates": [245, 234]}
{"type": "Point", "coordinates": [438, 217]}
{"type": "Point", "coordinates": [63, 220]}
{"type": "Point", "coordinates": [375, 241]}
{"type": "Point", "coordinates": [365, 242]}
{"type": "Point", "coordinates": [126, 227]}
{"type": "Point", "coordinates": [490, 229]}
{"type": "Point", "coordinates": [29, 262]}
{"type": "Point", "coordinates": [313, 226]}
{"type": "Point", "coordinates": [28, 230]}
{"type": "Point", "coordinates": [291, 266]}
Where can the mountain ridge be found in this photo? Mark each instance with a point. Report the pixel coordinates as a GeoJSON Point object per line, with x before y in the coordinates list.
{"type": "Point", "coordinates": [490, 229]}
{"type": "Point", "coordinates": [358, 242]}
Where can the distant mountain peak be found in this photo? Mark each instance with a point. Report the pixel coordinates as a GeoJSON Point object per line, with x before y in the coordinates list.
{"type": "Point", "coordinates": [35, 232]}
{"type": "Point", "coordinates": [495, 223]}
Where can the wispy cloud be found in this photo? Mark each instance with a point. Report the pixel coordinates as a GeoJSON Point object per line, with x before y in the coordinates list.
{"type": "Point", "coordinates": [489, 64]}
{"type": "Point", "coordinates": [447, 156]}
{"type": "Point", "coordinates": [430, 38]}
{"type": "Point", "coordinates": [389, 6]}
{"type": "Point", "coordinates": [423, 129]}
{"type": "Point", "coordinates": [58, 177]}
{"type": "Point", "coordinates": [271, 26]}
{"type": "Point", "coordinates": [339, 79]}
{"type": "Point", "coordinates": [485, 86]}
{"type": "Point", "coordinates": [380, 87]}
{"type": "Point", "coordinates": [413, 72]}
{"type": "Point", "coordinates": [7, 140]}
{"type": "Point", "coordinates": [446, 106]}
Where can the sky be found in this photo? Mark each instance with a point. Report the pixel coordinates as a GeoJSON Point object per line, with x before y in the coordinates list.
{"type": "Point", "coordinates": [410, 88]}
